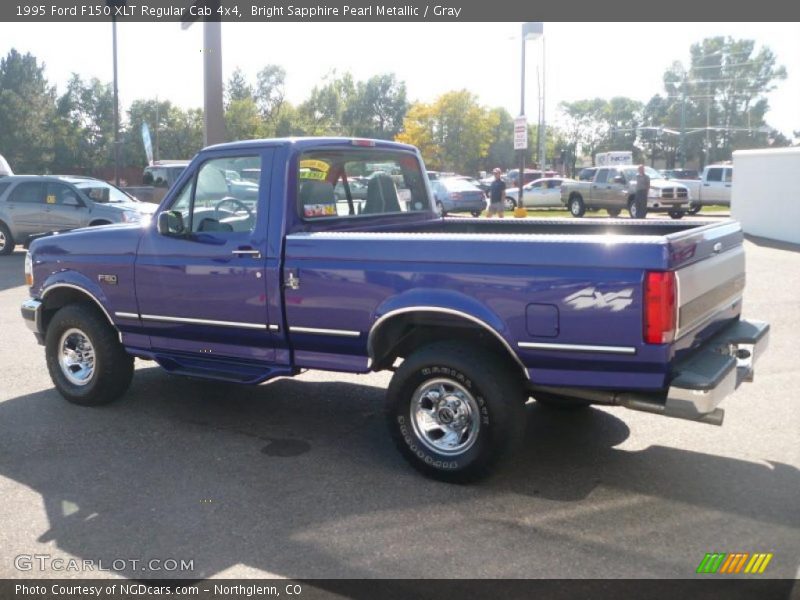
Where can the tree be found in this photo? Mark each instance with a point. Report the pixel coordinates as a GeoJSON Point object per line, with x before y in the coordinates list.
{"type": "Point", "coordinates": [500, 126]}
{"type": "Point", "coordinates": [238, 88]}
{"type": "Point", "coordinates": [377, 108]}
{"type": "Point", "coordinates": [585, 126]}
{"type": "Point", "coordinates": [27, 113]}
{"type": "Point", "coordinates": [322, 113]}
{"type": "Point", "coordinates": [724, 87]}
{"type": "Point", "coordinates": [452, 133]}
{"type": "Point", "coordinates": [84, 131]}
{"type": "Point", "coordinates": [270, 93]}
{"type": "Point", "coordinates": [243, 121]}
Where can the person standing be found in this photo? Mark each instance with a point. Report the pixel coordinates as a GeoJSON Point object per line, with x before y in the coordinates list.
{"type": "Point", "coordinates": [497, 193]}
{"type": "Point", "coordinates": [642, 189]}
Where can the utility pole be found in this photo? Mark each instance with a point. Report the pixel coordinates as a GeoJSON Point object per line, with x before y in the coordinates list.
{"type": "Point", "coordinates": [682, 144]}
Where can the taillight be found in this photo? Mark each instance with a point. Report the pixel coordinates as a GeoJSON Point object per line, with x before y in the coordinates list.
{"type": "Point", "coordinates": [660, 307]}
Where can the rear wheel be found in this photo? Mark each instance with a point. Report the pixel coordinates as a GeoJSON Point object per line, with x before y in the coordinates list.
{"type": "Point", "coordinates": [576, 206]}
{"type": "Point", "coordinates": [676, 214]}
{"type": "Point", "coordinates": [6, 240]}
{"type": "Point", "coordinates": [86, 361]}
{"type": "Point", "coordinates": [476, 213]}
{"type": "Point", "coordinates": [455, 411]}
{"type": "Point", "coordinates": [510, 203]}
{"type": "Point", "coordinates": [441, 208]}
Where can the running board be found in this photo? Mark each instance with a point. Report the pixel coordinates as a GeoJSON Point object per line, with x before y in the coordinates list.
{"type": "Point", "coordinates": [230, 370]}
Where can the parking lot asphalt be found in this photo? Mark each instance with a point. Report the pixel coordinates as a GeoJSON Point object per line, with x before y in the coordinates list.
{"type": "Point", "coordinates": [299, 478]}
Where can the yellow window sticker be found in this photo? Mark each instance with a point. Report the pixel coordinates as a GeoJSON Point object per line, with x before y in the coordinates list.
{"type": "Point", "coordinates": [51, 198]}
{"type": "Point", "coordinates": [319, 165]}
{"type": "Point", "coordinates": [317, 175]}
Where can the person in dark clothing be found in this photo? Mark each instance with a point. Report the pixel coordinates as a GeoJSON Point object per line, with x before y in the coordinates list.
{"type": "Point", "coordinates": [497, 192]}
{"type": "Point", "coordinates": [642, 189]}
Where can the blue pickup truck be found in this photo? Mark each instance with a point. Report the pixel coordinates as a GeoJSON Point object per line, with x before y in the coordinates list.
{"type": "Point", "coordinates": [473, 316]}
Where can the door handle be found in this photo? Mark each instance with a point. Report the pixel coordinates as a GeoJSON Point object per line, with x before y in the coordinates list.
{"type": "Point", "coordinates": [247, 252]}
{"type": "Point", "coordinates": [706, 185]}
{"type": "Point", "coordinates": [727, 185]}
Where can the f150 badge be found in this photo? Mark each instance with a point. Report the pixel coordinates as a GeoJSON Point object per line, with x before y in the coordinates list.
{"type": "Point", "coordinates": [590, 298]}
{"type": "Point", "coordinates": [109, 279]}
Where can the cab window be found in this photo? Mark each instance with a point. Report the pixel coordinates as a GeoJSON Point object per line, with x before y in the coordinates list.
{"type": "Point", "coordinates": [714, 175]}
{"type": "Point", "coordinates": [28, 192]}
{"type": "Point", "coordinates": [218, 198]}
{"type": "Point", "coordinates": [347, 183]}
{"type": "Point", "coordinates": [602, 176]}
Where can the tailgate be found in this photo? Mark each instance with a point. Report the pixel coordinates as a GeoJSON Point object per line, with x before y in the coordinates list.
{"type": "Point", "coordinates": [710, 275]}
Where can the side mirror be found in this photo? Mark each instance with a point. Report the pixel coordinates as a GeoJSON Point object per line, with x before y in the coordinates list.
{"type": "Point", "coordinates": [170, 223]}
{"type": "Point", "coordinates": [619, 179]}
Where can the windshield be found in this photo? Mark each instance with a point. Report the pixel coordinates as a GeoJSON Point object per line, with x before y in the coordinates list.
{"type": "Point", "coordinates": [632, 172]}
{"type": "Point", "coordinates": [100, 191]}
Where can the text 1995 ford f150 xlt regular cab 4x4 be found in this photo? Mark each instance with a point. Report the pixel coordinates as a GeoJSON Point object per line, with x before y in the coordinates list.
{"type": "Point", "coordinates": [249, 283]}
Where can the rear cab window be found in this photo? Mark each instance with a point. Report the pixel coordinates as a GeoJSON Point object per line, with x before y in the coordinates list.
{"type": "Point", "coordinates": [351, 184]}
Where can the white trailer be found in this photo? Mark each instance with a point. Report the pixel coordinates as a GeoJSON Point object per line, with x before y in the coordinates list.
{"type": "Point", "coordinates": [613, 159]}
{"type": "Point", "coordinates": [766, 194]}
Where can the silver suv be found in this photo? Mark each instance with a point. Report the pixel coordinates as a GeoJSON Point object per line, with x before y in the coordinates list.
{"type": "Point", "coordinates": [37, 204]}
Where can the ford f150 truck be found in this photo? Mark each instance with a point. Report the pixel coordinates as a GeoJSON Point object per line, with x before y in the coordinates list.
{"type": "Point", "coordinates": [614, 188]}
{"type": "Point", "coordinates": [473, 316]}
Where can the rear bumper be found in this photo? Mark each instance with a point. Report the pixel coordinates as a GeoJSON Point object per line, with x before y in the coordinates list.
{"type": "Point", "coordinates": [703, 379]}
{"type": "Point", "coordinates": [32, 315]}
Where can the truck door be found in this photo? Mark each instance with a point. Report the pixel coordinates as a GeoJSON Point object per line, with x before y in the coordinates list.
{"type": "Point", "coordinates": [599, 191]}
{"type": "Point", "coordinates": [200, 280]}
{"type": "Point", "coordinates": [713, 185]}
{"type": "Point", "coordinates": [616, 191]}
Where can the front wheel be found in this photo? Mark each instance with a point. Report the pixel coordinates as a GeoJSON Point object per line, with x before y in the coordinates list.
{"type": "Point", "coordinates": [86, 361]}
{"type": "Point", "coordinates": [454, 412]}
{"type": "Point", "coordinates": [694, 209]}
{"type": "Point", "coordinates": [476, 213]}
{"type": "Point", "coordinates": [676, 214]}
{"type": "Point", "coordinates": [576, 206]}
{"type": "Point", "coordinates": [510, 203]}
{"type": "Point", "coordinates": [637, 210]}
{"type": "Point", "coordinates": [6, 240]}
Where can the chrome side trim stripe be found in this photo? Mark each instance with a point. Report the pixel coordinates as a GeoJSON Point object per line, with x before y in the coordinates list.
{"type": "Point", "coordinates": [274, 327]}
{"type": "Point", "coordinates": [333, 332]}
{"type": "Point", "coordinates": [125, 315]}
{"type": "Point", "coordinates": [577, 348]}
{"type": "Point", "coordinates": [203, 322]}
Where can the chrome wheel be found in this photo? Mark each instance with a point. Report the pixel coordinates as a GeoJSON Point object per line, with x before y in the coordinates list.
{"type": "Point", "coordinates": [445, 416]}
{"type": "Point", "coordinates": [76, 357]}
{"type": "Point", "coordinates": [3, 240]}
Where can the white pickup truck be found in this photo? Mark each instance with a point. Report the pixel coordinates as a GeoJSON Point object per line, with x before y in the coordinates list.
{"type": "Point", "coordinates": [713, 187]}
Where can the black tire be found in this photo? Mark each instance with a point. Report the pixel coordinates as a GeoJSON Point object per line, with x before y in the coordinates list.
{"type": "Point", "coordinates": [509, 203]}
{"type": "Point", "coordinates": [694, 209]}
{"type": "Point", "coordinates": [112, 367]}
{"type": "Point", "coordinates": [6, 240]}
{"type": "Point", "coordinates": [676, 214]}
{"type": "Point", "coordinates": [476, 213]}
{"type": "Point", "coordinates": [636, 210]}
{"type": "Point", "coordinates": [560, 402]}
{"type": "Point", "coordinates": [98, 223]}
{"type": "Point", "coordinates": [470, 377]}
{"type": "Point", "coordinates": [613, 212]}
{"type": "Point", "coordinates": [576, 206]}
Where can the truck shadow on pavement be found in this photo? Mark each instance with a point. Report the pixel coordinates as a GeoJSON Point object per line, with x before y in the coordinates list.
{"type": "Point", "coordinates": [300, 479]}
{"type": "Point", "coordinates": [12, 270]}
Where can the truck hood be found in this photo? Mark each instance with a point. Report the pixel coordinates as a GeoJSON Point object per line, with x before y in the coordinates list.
{"type": "Point", "coordinates": [659, 184]}
{"type": "Point", "coordinates": [106, 240]}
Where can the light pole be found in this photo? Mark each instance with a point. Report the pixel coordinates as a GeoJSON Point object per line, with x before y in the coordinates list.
{"type": "Point", "coordinates": [213, 111]}
{"type": "Point", "coordinates": [530, 31]}
{"type": "Point", "coordinates": [113, 5]}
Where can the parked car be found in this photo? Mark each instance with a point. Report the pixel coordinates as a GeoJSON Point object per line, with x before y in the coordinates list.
{"type": "Point", "coordinates": [713, 187]}
{"type": "Point", "coordinates": [453, 195]}
{"type": "Point", "coordinates": [162, 175]}
{"type": "Point", "coordinates": [35, 204]}
{"type": "Point", "coordinates": [358, 189]}
{"type": "Point", "coordinates": [614, 189]}
{"type": "Point", "coordinates": [479, 314]}
{"type": "Point", "coordinates": [542, 193]}
{"type": "Point", "coordinates": [512, 176]}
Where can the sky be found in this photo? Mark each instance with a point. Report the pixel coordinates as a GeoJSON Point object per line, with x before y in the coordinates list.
{"type": "Point", "coordinates": [582, 60]}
